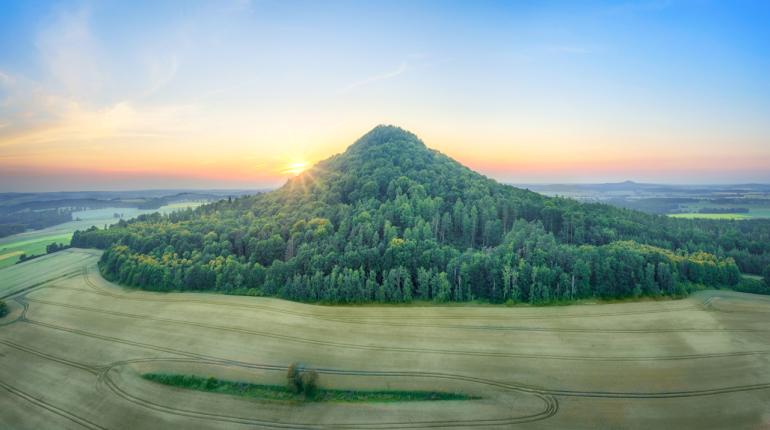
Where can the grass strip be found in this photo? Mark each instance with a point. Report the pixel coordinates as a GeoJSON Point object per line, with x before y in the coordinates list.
{"type": "Point", "coordinates": [280, 392]}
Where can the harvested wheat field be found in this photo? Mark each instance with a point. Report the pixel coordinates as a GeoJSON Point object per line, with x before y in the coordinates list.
{"type": "Point", "coordinates": [74, 348]}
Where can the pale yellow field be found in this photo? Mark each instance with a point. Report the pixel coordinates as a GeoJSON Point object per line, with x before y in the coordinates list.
{"type": "Point", "coordinates": [74, 345]}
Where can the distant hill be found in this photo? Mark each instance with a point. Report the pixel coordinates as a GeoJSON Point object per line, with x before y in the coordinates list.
{"type": "Point", "coordinates": [631, 186]}
{"type": "Point", "coordinates": [391, 220]}
{"type": "Point", "coordinates": [601, 187]}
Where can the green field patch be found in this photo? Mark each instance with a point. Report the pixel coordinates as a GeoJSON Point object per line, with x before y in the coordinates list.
{"type": "Point", "coordinates": [696, 215]}
{"type": "Point", "coordinates": [10, 251]}
{"type": "Point", "coordinates": [34, 242]}
{"type": "Point", "coordinates": [24, 243]}
{"type": "Point", "coordinates": [10, 254]}
{"type": "Point", "coordinates": [283, 393]}
{"type": "Point", "coordinates": [763, 212]}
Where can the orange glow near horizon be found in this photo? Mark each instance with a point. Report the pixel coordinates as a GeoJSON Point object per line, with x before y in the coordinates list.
{"type": "Point", "coordinates": [295, 168]}
{"type": "Point", "coordinates": [237, 158]}
{"type": "Point", "coordinates": [199, 146]}
{"type": "Point", "coordinates": [194, 101]}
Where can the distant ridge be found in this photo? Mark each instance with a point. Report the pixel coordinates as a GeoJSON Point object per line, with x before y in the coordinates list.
{"type": "Point", "coordinates": [629, 185]}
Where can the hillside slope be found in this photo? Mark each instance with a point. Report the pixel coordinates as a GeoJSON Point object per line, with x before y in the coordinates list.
{"type": "Point", "coordinates": [391, 220]}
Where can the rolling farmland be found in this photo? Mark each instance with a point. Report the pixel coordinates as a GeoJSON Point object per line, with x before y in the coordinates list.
{"type": "Point", "coordinates": [384, 215]}
{"type": "Point", "coordinates": [74, 347]}
{"type": "Point", "coordinates": [35, 241]}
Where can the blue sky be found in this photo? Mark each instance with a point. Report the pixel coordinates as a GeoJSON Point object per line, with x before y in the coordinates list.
{"type": "Point", "coordinates": [215, 94]}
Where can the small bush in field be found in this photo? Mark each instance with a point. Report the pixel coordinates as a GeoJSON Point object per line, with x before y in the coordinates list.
{"type": "Point", "coordinates": [302, 381]}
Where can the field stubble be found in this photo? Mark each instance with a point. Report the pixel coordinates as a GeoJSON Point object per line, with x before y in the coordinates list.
{"type": "Point", "coordinates": [74, 346]}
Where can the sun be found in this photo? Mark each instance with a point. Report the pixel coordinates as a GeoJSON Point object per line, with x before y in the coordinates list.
{"type": "Point", "coordinates": [295, 168]}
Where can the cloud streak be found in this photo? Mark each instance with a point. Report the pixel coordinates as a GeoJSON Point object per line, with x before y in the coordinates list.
{"type": "Point", "coordinates": [70, 54]}
{"type": "Point", "coordinates": [234, 88]}
{"type": "Point", "coordinates": [377, 78]}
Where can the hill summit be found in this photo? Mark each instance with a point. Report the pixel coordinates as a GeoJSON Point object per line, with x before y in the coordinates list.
{"type": "Point", "coordinates": [387, 135]}
{"type": "Point", "coordinates": [382, 164]}
{"type": "Point", "coordinates": [391, 220]}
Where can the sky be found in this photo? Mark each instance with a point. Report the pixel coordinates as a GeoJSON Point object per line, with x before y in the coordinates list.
{"type": "Point", "coordinates": [102, 95]}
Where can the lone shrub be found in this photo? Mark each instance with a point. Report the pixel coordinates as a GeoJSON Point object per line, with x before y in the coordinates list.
{"type": "Point", "coordinates": [3, 309]}
{"type": "Point", "coordinates": [293, 379]}
{"type": "Point", "coordinates": [309, 383]}
{"type": "Point", "coordinates": [302, 381]}
{"type": "Point", "coordinates": [211, 383]}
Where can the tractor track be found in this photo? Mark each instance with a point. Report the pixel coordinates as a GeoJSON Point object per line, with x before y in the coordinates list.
{"type": "Point", "coordinates": [709, 305]}
{"type": "Point", "coordinates": [429, 325]}
{"type": "Point", "coordinates": [375, 320]}
{"type": "Point", "coordinates": [51, 408]}
{"type": "Point", "coordinates": [40, 284]}
{"type": "Point", "coordinates": [442, 326]}
{"type": "Point", "coordinates": [103, 376]}
{"type": "Point", "coordinates": [86, 367]}
{"type": "Point", "coordinates": [549, 397]}
{"type": "Point", "coordinates": [389, 349]}
{"type": "Point", "coordinates": [551, 405]}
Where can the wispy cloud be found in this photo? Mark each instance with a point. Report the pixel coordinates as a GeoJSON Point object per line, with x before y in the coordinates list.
{"type": "Point", "coordinates": [377, 78]}
{"type": "Point", "coordinates": [161, 73]}
{"type": "Point", "coordinates": [66, 104]}
{"type": "Point", "coordinates": [69, 53]}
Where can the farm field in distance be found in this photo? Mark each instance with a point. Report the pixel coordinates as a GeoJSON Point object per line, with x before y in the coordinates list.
{"type": "Point", "coordinates": [696, 215]}
{"type": "Point", "coordinates": [74, 346]}
{"type": "Point", "coordinates": [753, 213]}
{"type": "Point", "coordinates": [34, 242]}
{"type": "Point", "coordinates": [735, 202]}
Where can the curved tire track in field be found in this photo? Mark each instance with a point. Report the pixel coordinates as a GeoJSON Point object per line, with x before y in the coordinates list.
{"type": "Point", "coordinates": [443, 326]}
{"type": "Point", "coordinates": [550, 408]}
{"type": "Point", "coordinates": [660, 395]}
{"type": "Point", "coordinates": [343, 345]}
{"type": "Point", "coordinates": [103, 377]}
{"type": "Point", "coordinates": [709, 305]}
{"type": "Point", "coordinates": [549, 396]}
{"type": "Point", "coordinates": [41, 284]}
{"type": "Point", "coordinates": [376, 320]}
{"type": "Point", "coordinates": [82, 366]}
{"type": "Point", "coordinates": [51, 408]}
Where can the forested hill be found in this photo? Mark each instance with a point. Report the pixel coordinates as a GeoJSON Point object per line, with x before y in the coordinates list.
{"type": "Point", "coordinates": [391, 220]}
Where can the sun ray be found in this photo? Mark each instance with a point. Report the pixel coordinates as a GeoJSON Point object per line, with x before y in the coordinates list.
{"type": "Point", "coordinates": [294, 168]}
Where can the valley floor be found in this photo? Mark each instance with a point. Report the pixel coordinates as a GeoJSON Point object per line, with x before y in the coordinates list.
{"type": "Point", "coordinates": [74, 346]}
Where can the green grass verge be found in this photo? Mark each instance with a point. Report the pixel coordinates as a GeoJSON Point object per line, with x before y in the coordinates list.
{"type": "Point", "coordinates": [280, 392]}
{"type": "Point", "coordinates": [10, 252]}
{"type": "Point", "coordinates": [737, 216]}
{"type": "Point", "coordinates": [752, 284]}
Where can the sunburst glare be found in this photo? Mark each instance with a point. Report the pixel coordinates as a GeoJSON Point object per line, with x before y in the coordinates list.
{"type": "Point", "coordinates": [295, 168]}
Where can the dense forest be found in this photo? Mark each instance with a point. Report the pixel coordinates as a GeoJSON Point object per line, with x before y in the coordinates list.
{"type": "Point", "coordinates": [390, 220]}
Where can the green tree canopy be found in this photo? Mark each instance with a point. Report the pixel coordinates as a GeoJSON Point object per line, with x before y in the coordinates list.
{"type": "Point", "coordinates": [391, 220]}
